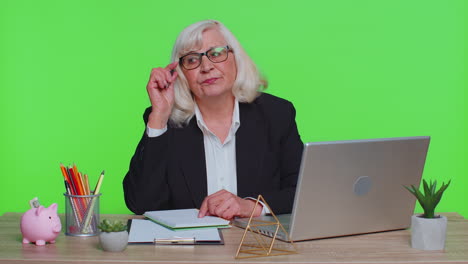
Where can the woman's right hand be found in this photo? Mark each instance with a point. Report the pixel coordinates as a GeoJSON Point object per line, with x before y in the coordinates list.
{"type": "Point", "coordinates": [160, 89]}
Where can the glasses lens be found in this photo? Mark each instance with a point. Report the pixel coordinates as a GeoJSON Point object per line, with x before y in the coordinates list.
{"type": "Point", "coordinates": [191, 61]}
{"type": "Point", "coordinates": [218, 54]}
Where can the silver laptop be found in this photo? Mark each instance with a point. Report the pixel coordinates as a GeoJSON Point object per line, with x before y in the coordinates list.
{"type": "Point", "coordinates": [353, 187]}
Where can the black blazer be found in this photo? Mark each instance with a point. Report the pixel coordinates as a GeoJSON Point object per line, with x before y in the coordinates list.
{"type": "Point", "coordinates": [169, 171]}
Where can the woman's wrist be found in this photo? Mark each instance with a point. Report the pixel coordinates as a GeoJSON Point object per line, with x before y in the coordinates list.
{"type": "Point", "coordinates": [156, 122]}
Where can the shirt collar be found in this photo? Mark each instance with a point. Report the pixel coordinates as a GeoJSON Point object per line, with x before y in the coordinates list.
{"type": "Point", "coordinates": [234, 124]}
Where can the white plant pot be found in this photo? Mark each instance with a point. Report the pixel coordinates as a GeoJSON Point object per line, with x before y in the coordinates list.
{"type": "Point", "coordinates": [428, 233]}
{"type": "Point", "coordinates": [114, 241]}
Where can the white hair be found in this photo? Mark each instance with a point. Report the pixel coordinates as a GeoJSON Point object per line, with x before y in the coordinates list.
{"type": "Point", "coordinates": [247, 85]}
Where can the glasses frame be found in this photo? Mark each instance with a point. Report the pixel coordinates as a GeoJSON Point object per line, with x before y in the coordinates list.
{"type": "Point", "coordinates": [206, 54]}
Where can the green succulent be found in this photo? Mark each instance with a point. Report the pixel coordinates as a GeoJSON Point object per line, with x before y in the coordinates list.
{"type": "Point", "coordinates": [112, 226]}
{"type": "Point", "coordinates": [430, 198]}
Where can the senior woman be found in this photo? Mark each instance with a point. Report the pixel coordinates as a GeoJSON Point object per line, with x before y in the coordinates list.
{"type": "Point", "coordinates": [213, 140]}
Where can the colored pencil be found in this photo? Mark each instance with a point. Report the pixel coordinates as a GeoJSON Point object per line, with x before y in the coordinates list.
{"type": "Point", "coordinates": [89, 212]}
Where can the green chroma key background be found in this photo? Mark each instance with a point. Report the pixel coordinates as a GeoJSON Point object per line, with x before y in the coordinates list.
{"type": "Point", "coordinates": [73, 77]}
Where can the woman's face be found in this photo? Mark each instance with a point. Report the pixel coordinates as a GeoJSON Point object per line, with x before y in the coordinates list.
{"type": "Point", "coordinates": [211, 80]}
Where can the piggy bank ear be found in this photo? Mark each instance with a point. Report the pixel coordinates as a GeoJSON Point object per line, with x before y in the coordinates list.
{"type": "Point", "coordinates": [39, 210]}
{"type": "Point", "coordinates": [53, 207]}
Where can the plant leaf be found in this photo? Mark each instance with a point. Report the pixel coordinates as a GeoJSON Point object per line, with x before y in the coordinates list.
{"type": "Point", "coordinates": [439, 193]}
{"type": "Point", "coordinates": [426, 187]}
{"type": "Point", "coordinates": [421, 198]}
{"type": "Point", "coordinates": [433, 187]}
{"type": "Point", "coordinates": [411, 190]}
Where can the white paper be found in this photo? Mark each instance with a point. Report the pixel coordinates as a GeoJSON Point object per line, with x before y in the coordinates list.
{"type": "Point", "coordinates": [182, 218]}
{"type": "Point", "coordinates": [144, 231]}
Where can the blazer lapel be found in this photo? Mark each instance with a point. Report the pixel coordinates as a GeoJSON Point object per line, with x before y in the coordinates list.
{"type": "Point", "coordinates": [250, 146]}
{"type": "Point", "coordinates": [192, 161]}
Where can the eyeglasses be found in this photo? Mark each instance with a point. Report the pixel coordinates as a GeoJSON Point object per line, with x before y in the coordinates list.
{"type": "Point", "coordinates": [193, 60]}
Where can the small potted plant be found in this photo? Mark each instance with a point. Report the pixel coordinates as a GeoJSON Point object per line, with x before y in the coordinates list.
{"type": "Point", "coordinates": [428, 231]}
{"type": "Point", "coordinates": [113, 236]}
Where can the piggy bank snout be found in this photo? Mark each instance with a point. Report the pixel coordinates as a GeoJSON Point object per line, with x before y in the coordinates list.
{"type": "Point", "coordinates": [57, 227]}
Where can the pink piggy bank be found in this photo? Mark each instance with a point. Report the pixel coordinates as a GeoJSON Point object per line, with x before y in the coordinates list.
{"type": "Point", "coordinates": [40, 225]}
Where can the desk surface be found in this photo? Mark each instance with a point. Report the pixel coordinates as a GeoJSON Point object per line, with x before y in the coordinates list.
{"type": "Point", "coordinates": [387, 247]}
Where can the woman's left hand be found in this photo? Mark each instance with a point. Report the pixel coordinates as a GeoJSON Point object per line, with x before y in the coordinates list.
{"type": "Point", "coordinates": [227, 205]}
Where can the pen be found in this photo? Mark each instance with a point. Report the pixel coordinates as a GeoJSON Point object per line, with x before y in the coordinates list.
{"type": "Point", "coordinates": [174, 240]}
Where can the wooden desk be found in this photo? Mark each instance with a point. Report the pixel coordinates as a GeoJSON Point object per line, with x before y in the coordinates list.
{"type": "Point", "coordinates": [388, 247]}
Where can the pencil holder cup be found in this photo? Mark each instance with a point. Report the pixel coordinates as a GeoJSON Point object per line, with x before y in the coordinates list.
{"type": "Point", "coordinates": [81, 215]}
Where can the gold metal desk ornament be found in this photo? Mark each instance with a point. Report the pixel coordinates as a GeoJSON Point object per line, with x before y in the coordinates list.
{"type": "Point", "coordinates": [264, 246]}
